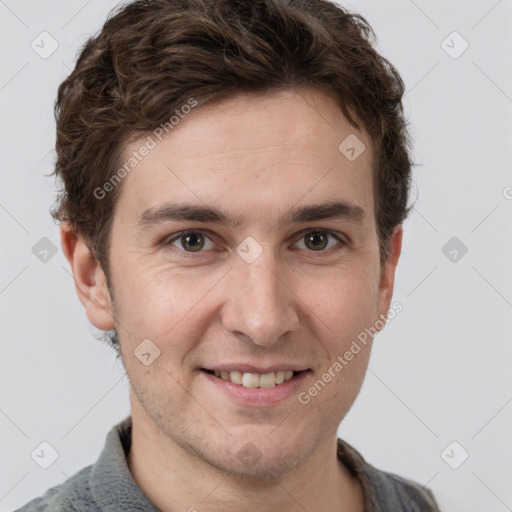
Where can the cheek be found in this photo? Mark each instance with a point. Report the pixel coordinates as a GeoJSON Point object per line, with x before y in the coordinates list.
{"type": "Point", "coordinates": [151, 301]}
{"type": "Point", "coordinates": [346, 301]}
{"type": "Point", "coordinates": [342, 315]}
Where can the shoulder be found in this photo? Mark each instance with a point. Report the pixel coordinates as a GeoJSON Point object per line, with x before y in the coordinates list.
{"type": "Point", "coordinates": [407, 493]}
{"type": "Point", "coordinates": [73, 495]}
{"type": "Point", "coordinates": [384, 490]}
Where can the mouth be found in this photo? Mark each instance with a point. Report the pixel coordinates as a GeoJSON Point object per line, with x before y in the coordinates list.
{"type": "Point", "coordinates": [251, 386]}
{"type": "Point", "coordinates": [255, 380]}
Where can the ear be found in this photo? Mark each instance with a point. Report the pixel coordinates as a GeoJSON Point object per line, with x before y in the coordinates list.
{"type": "Point", "coordinates": [90, 281]}
{"type": "Point", "coordinates": [387, 277]}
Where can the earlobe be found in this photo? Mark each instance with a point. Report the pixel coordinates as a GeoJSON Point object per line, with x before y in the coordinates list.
{"type": "Point", "coordinates": [387, 279]}
{"type": "Point", "coordinates": [90, 281]}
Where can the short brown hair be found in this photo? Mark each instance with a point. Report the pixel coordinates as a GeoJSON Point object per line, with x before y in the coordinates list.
{"type": "Point", "coordinates": [152, 56]}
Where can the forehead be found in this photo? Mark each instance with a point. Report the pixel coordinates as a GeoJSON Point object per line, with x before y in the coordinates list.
{"type": "Point", "coordinates": [254, 150]}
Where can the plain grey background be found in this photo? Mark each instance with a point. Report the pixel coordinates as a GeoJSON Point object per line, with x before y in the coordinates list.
{"type": "Point", "coordinates": [439, 387]}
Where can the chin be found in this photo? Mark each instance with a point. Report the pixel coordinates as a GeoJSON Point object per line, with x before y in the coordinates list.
{"type": "Point", "coordinates": [259, 465]}
{"type": "Point", "coordinates": [260, 454]}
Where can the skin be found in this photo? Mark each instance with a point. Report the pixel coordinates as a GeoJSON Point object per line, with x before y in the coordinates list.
{"type": "Point", "coordinates": [257, 157]}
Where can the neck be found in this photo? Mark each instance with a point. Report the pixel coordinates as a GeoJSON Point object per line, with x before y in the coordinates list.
{"type": "Point", "coordinates": [175, 479]}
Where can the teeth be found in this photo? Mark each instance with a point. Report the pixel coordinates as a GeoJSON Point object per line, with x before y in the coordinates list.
{"type": "Point", "coordinates": [250, 380]}
{"type": "Point", "coordinates": [255, 380]}
{"type": "Point", "coordinates": [235, 377]}
{"type": "Point", "coordinates": [268, 380]}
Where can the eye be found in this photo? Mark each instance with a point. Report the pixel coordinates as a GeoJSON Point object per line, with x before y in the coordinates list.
{"type": "Point", "coordinates": [191, 241]}
{"type": "Point", "coordinates": [196, 241]}
{"type": "Point", "coordinates": [318, 240]}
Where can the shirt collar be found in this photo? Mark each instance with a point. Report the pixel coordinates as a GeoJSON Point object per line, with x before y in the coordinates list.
{"type": "Point", "coordinates": [112, 485]}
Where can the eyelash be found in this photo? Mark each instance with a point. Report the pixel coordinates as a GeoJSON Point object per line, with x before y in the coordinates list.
{"type": "Point", "coordinates": [341, 243]}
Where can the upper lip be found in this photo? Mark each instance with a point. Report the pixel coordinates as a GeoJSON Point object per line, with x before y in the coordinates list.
{"type": "Point", "coordinates": [250, 368]}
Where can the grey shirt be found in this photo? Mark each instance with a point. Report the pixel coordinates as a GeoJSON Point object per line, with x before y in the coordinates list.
{"type": "Point", "coordinates": [108, 486]}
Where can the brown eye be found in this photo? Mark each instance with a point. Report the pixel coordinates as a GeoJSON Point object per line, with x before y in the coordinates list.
{"type": "Point", "coordinates": [191, 241]}
{"type": "Point", "coordinates": [319, 241]}
{"type": "Point", "coordinates": [194, 241]}
{"type": "Point", "coordinates": [316, 240]}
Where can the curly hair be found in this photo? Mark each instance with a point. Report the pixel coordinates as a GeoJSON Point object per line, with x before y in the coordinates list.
{"type": "Point", "coordinates": [152, 56]}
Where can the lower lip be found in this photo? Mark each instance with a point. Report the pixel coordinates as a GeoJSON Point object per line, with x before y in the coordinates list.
{"type": "Point", "coordinates": [263, 397]}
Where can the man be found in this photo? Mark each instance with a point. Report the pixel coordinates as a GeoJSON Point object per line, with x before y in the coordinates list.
{"type": "Point", "coordinates": [235, 176]}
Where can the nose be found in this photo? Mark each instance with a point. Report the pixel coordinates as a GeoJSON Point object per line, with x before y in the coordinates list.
{"type": "Point", "coordinates": [261, 305]}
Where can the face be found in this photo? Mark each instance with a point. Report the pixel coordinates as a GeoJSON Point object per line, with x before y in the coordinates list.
{"type": "Point", "coordinates": [280, 272]}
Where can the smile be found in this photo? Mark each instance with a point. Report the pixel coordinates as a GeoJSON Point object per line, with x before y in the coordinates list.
{"type": "Point", "coordinates": [254, 380]}
{"type": "Point", "coordinates": [250, 388]}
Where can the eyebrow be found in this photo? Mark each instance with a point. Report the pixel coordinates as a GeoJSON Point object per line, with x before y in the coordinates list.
{"type": "Point", "coordinates": [189, 212]}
